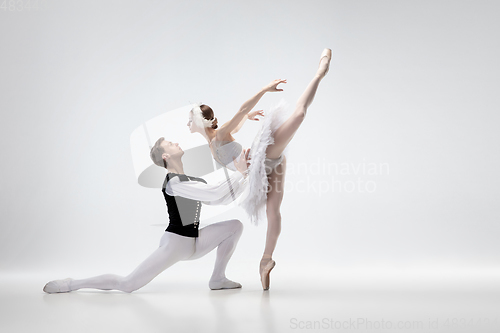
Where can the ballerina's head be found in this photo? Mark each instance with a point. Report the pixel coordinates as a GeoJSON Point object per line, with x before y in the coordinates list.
{"type": "Point", "coordinates": [200, 118]}
{"type": "Point", "coordinates": [164, 152]}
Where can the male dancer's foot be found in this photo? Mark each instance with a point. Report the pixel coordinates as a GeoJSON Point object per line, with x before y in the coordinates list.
{"type": "Point", "coordinates": [324, 63]}
{"type": "Point", "coordinates": [224, 283]}
{"type": "Point", "coordinates": [58, 286]}
{"type": "Point", "coordinates": [266, 266]}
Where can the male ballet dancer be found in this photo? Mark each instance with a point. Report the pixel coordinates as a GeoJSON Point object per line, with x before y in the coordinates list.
{"type": "Point", "coordinates": [182, 240]}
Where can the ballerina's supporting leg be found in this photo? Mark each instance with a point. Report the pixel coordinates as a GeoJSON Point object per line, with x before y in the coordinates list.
{"type": "Point", "coordinates": [274, 198]}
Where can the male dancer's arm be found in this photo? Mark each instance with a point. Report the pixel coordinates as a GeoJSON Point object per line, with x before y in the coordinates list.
{"type": "Point", "coordinates": [219, 193]}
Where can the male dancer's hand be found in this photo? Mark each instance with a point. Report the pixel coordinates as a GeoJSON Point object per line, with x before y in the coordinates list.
{"type": "Point", "coordinates": [242, 164]}
{"type": "Point", "coordinates": [247, 157]}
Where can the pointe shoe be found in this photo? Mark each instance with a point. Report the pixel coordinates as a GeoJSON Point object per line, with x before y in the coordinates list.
{"type": "Point", "coordinates": [265, 279]}
{"type": "Point", "coordinates": [327, 53]}
{"type": "Point", "coordinates": [57, 286]}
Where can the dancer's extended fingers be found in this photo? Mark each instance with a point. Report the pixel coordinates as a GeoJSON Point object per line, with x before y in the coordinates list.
{"type": "Point", "coordinates": [253, 115]}
{"type": "Point", "coordinates": [278, 82]}
{"type": "Point", "coordinates": [259, 113]}
{"type": "Point", "coordinates": [272, 86]}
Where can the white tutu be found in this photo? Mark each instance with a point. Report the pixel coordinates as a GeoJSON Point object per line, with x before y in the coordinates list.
{"type": "Point", "coordinates": [254, 202]}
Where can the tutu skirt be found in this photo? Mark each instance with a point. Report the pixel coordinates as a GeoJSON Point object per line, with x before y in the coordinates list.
{"type": "Point", "coordinates": [260, 166]}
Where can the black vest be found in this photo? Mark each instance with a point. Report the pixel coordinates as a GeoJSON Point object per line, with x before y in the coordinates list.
{"type": "Point", "coordinates": [183, 213]}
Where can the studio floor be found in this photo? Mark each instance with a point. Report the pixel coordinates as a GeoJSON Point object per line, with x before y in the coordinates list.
{"type": "Point", "coordinates": [351, 301]}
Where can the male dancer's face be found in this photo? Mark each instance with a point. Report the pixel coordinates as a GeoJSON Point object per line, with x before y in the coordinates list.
{"type": "Point", "coordinates": [172, 149]}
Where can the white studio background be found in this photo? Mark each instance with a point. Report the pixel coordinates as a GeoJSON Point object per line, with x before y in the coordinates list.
{"type": "Point", "coordinates": [396, 164]}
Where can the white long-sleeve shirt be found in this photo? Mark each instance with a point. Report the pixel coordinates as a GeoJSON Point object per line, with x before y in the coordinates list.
{"type": "Point", "coordinates": [210, 194]}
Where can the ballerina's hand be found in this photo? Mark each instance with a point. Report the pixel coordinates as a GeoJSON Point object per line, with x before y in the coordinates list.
{"type": "Point", "coordinates": [271, 87]}
{"type": "Point", "coordinates": [252, 115]}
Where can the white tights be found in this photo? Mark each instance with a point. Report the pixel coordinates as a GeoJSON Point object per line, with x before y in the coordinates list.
{"type": "Point", "coordinates": [173, 248]}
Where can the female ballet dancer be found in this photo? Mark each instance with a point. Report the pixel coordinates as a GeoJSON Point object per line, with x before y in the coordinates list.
{"type": "Point", "coordinates": [267, 161]}
{"type": "Point", "coordinates": [182, 240]}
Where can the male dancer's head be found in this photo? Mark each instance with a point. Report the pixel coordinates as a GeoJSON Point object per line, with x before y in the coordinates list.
{"type": "Point", "coordinates": [168, 155]}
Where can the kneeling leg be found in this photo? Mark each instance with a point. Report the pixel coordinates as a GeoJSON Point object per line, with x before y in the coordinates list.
{"type": "Point", "coordinates": [223, 235]}
{"type": "Point", "coordinates": [173, 248]}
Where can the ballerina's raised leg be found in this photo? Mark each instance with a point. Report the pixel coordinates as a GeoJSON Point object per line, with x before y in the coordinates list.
{"type": "Point", "coordinates": [282, 136]}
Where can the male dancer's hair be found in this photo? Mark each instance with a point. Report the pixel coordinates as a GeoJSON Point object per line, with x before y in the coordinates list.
{"type": "Point", "coordinates": [156, 152]}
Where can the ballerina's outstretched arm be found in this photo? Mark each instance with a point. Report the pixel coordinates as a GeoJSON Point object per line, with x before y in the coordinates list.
{"type": "Point", "coordinates": [250, 116]}
{"type": "Point", "coordinates": [231, 125]}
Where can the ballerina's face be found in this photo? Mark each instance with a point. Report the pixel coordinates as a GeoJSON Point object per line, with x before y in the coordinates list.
{"type": "Point", "coordinates": [193, 128]}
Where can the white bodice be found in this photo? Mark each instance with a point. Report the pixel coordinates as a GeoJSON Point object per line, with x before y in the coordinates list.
{"type": "Point", "coordinates": [225, 151]}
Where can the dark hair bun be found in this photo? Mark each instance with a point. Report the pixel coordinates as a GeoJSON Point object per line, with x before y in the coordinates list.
{"type": "Point", "coordinates": [214, 123]}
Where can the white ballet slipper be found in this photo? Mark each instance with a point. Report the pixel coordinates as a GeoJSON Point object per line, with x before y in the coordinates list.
{"type": "Point", "coordinates": [58, 286]}
{"type": "Point", "coordinates": [223, 284]}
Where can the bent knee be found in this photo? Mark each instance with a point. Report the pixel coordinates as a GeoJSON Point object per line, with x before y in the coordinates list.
{"type": "Point", "coordinates": [300, 113]}
{"type": "Point", "coordinates": [236, 226]}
